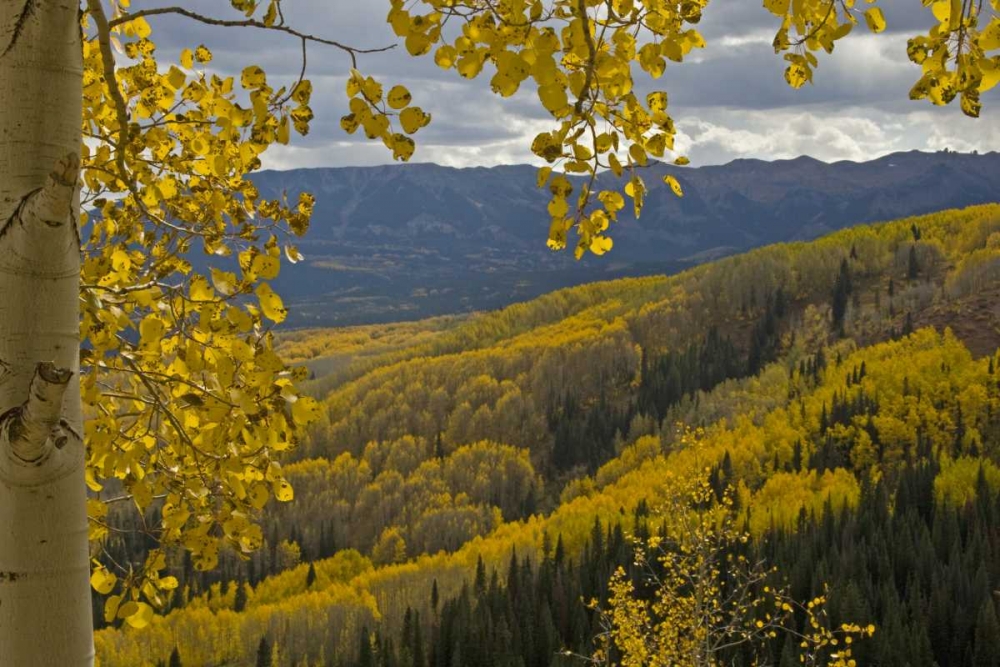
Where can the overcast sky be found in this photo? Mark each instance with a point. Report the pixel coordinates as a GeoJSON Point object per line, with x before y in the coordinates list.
{"type": "Point", "coordinates": [729, 100]}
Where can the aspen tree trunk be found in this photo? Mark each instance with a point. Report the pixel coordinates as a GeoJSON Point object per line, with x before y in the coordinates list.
{"type": "Point", "coordinates": [45, 609]}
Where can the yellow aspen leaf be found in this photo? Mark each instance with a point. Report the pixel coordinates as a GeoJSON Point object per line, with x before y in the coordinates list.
{"type": "Point", "coordinates": [224, 282]}
{"type": "Point", "coordinates": [601, 244]}
{"type": "Point", "coordinates": [399, 19]}
{"type": "Point", "coordinates": [674, 185]}
{"type": "Point", "coordinates": [796, 75]}
{"type": "Point", "coordinates": [302, 92]}
{"type": "Point", "coordinates": [167, 583]}
{"type": "Point", "coordinates": [695, 39]}
{"type": "Point", "coordinates": [470, 65]}
{"type": "Point", "coordinates": [111, 608]}
{"type": "Point", "coordinates": [682, 161]}
{"type": "Point", "coordinates": [283, 134]}
{"type": "Point", "coordinates": [503, 85]}
{"type": "Point", "coordinates": [200, 290]}
{"type": "Point", "coordinates": [581, 152]}
{"type": "Point", "coordinates": [372, 90]}
{"type": "Point", "coordinates": [990, 73]}
{"type": "Point", "coordinates": [418, 44]}
{"type": "Point", "coordinates": [175, 78]}
{"type": "Point", "coordinates": [138, 28]}
{"type": "Point", "coordinates": [560, 186]}
{"type": "Point", "coordinates": [553, 98]}
{"type": "Point", "coordinates": [151, 331]}
{"type": "Point", "coordinates": [558, 207]}
{"type": "Point", "coordinates": [270, 303]}
{"type": "Point", "coordinates": [942, 10]}
{"type": "Point", "coordinates": [543, 176]}
{"type": "Point", "coordinates": [102, 581]}
{"type": "Point", "coordinates": [187, 59]}
{"type": "Point", "coordinates": [672, 50]}
{"type": "Point", "coordinates": [657, 101]}
{"type": "Point", "coordinates": [613, 202]}
{"type": "Point", "coordinates": [412, 119]}
{"type": "Point", "coordinates": [305, 410]}
{"type": "Point", "coordinates": [989, 39]}
{"type": "Point", "coordinates": [402, 147]}
{"type": "Point", "coordinates": [283, 491]}
{"type": "Point", "coordinates": [353, 86]}
{"type": "Point", "coordinates": [656, 145]}
{"type": "Point", "coordinates": [120, 261]}
{"type": "Point", "coordinates": [970, 104]}
{"type": "Point", "coordinates": [398, 97]}
{"type": "Point", "coordinates": [875, 19]}
{"type": "Point", "coordinates": [445, 57]}
{"type": "Point", "coordinates": [350, 123]}
{"type": "Point", "coordinates": [638, 153]}
{"type": "Point", "coordinates": [265, 266]}
{"type": "Point", "coordinates": [615, 164]}
{"type": "Point", "coordinates": [140, 615]}
{"type": "Point", "coordinates": [202, 54]}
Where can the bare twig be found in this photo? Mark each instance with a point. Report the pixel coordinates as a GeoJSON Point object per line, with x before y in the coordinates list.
{"type": "Point", "coordinates": [353, 52]}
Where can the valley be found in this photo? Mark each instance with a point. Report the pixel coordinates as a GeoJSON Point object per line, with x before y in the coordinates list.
{"type": "Point", "coordinates": [474, 479]}
{"type": "Point", "coordinates": [407, 242]}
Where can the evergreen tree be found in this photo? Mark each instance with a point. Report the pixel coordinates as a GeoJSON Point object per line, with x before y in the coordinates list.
{"type": "Point", "coordinates": [310, 576]}
{"type": "Point", "coordinates": [912, 266]}
{"type": "Point", "coordinates": [908, 324]}
{"type": "Point", "coordinates": [263, 653]}
{"type": "Point", "coordinates": [987, 639]}
{"type": "Point", "coordinates": [480, 582]}
{"type": "Point", "coordinates": [175, 658]}
{"type": "Point", "coordinates": [366, 657]}
{"type": "Point", "coordinates": [841, 294]}
{"type": "Point", "coordinates": [240, 598]}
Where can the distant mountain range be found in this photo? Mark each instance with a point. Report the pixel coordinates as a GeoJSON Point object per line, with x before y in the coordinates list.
{"type": "Point", "coordinates": [406, 241]}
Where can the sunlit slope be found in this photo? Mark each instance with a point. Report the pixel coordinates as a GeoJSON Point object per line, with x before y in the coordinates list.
{"type": "Point", "coordinates": [832, 408]}
{"type": "Point", "coordinates": [811, 452]}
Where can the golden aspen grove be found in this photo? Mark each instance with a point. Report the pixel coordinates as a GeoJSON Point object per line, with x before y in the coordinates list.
{"type": "Point", "coordinates": [205, 488]}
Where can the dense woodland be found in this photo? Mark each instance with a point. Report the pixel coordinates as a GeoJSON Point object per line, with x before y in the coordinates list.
{"type": "Point", "coordinates": [474, 479]}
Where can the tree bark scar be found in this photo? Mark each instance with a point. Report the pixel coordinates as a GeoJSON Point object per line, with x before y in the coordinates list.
{"type": "Point", "coordinates": [44, 204]}
{"type": "Point", "coordinates": [10, 576]}
{"type": "Point", "coordinates": [22, 20]}
{"type": "Point", "coordinates": [17, 214]}
{"type": "Point", "coordinates": [31, 430]}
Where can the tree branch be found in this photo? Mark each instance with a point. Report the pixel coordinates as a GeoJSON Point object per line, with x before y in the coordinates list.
{"type": "Point", "coordinates": [244, 23]}
{"type": "Point", "coordinates": [96, 10]}
{"type": "Point", "coordinates": [33, 429]}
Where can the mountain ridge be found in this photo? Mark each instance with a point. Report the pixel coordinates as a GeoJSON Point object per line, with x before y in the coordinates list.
{"type": "Point", "coordinates": [396, 242]}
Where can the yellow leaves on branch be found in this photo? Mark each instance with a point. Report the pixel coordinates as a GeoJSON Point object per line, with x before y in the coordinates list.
{"type": "Point", "coordinates": [704, 597]}
{"type": "Point", "coordinates": [957, 56]}
{"type": "Point", "coordinates": [579, 59]}
{"type": "Point", "coordinates": [372, 111]}
{"type": "Point", "coordinates": [188, 404]}
{"type": "Point", "coordinates": [583, 58]}
{"type": "Point", "coordinates": [271, 304]}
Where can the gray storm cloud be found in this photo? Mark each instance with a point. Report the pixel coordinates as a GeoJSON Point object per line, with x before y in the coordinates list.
{"type": "Point", "coordinates": [729, 100]}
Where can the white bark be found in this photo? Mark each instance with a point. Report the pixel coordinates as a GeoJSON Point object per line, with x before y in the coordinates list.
{"type": "Point", "coordinates": [45, 610]}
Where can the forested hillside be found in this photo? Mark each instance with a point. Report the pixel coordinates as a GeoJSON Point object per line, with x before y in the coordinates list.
{"type": "Point", "coordinates": [473, 481]}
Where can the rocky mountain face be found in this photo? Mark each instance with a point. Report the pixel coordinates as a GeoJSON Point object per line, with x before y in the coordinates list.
{"type": "Point", "coordinates": [406, 241]}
